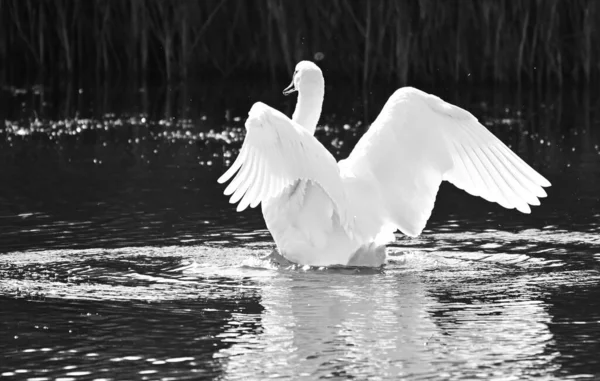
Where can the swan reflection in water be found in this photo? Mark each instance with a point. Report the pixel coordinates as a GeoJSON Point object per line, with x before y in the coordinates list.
{"type": "Point", "coordinates": [423, 317]}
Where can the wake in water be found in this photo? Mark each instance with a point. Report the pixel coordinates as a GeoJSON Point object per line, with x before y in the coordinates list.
{"type": "Point", "coordinates": [175, 272]}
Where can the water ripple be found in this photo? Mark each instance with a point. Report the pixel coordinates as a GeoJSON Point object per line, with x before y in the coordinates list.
{"type": "Point", "coordinates": [74, 312]}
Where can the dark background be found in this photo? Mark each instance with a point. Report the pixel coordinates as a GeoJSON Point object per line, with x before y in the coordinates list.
{"type": "Point", "coordinates": [550, 42]}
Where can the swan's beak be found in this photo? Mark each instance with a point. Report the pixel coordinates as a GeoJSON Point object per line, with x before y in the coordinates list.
{"type": "Point", "coordinates": [290, 89]}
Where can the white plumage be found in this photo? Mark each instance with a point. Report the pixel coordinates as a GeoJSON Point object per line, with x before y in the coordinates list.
{"type": "Point", "coordinates": [325, 213]}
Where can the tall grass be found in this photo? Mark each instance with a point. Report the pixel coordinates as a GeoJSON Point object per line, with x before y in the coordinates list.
{"type": "Point", "coordinates": [449, 41]}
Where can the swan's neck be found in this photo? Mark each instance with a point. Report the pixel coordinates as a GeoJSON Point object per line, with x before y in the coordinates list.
{"type": "Point", "coordinates": [308, 108]}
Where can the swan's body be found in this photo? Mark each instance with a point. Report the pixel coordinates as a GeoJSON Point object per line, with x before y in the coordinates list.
{"type": "Point", "coordinates": [321, 213]}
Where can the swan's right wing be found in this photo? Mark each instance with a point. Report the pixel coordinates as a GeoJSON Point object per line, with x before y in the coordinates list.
{"type": "Point", "coordinates": [275, 154]}
{"type": "Point", "coordinates": [419, 140]}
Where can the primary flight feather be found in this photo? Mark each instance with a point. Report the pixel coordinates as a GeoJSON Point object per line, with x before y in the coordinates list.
{"type": "Point", "coordinates": [322, 213]}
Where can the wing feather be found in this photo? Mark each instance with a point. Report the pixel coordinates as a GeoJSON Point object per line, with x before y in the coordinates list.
{"type": "Point", "coordinates": [496, 185]}
{"type": "Point", "coordinates": [234, 167]}
{"type": "Point", "coordinates": [506, 177]}
{"type": "Point", "coordinates": [255, 187]}
{"type": "Point", "coordinates": [512, 178]}
{"type": "Point", "coordinates": [245, 178]}
{"type": "Point", "coordinates": [502, 154]}
{"type": "Point", "coordinates": [242, 174]}
{"type": "Point", "coordinates": [526, 170]}
{"type": "Point", "coordinates": [277, 152]}
{"type": "Point", "coordinates": [490, 188]}
{"type": "Point", "coordinates": [419, 140]}
{"type": "Point", "coordinates": [258, 188]}
{"type": "Point", "coordinates": [465, 165]}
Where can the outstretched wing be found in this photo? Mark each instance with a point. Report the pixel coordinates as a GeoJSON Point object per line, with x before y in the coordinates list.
{"type": "Point", "coordinates": [276, 152]}
{"type": "Point", "coordinates": [419, 140]}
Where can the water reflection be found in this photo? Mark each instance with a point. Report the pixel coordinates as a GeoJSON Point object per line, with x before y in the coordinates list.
{"type": "Point", "coordinates": [343, 332]}
{"type": "Point", "coordinates": [437, 321]}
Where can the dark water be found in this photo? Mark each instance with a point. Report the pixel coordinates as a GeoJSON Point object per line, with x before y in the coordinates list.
{"type": "Point", "coordinates": [120, 259]}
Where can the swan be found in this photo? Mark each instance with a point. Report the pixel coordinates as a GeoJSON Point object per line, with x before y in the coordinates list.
{"type": "Point", "coordinates": [321, 212]}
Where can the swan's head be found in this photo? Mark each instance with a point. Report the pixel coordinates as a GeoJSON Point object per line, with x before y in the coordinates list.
{"type": "Point", "coordinates": [307, 76]}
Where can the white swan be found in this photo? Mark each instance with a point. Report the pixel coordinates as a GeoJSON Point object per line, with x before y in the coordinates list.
{"type": "Point", "coordinates": [322, 213]}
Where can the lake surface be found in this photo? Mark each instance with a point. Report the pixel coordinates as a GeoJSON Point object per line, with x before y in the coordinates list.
{"type": "Point", "coordinates": [120, 258]}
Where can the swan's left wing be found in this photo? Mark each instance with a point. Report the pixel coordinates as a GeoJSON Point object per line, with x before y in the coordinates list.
{"type": "Point", "coordinates": [275, 154]}
{"type": "Point", "coordinates": [419, 140]}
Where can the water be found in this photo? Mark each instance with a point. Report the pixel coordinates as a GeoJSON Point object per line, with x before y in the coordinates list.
{"type": "Point", "coordinates": [120, 259]}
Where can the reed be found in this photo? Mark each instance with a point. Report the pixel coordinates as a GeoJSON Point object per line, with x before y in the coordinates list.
{"type": "Point", "coordinates": [482, 41]}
